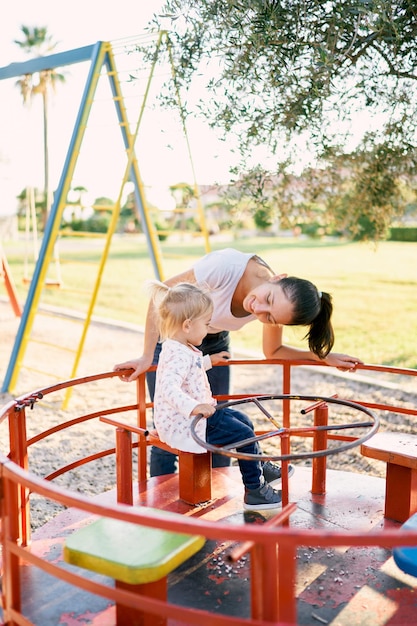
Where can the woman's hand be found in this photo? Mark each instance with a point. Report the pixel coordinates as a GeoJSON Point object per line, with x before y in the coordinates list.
{"type": "Point", "coordinates": [137, 365]}
{"type": "Point", "coordinates": [220, 357]}
{"type": "Point", "coordinates": [342, 362]}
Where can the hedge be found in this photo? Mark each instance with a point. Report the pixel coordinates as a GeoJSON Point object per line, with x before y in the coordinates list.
{"type": "Point", "coordinates": [402, 233]}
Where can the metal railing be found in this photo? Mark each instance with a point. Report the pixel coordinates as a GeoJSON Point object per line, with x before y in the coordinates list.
{"type": "Point", "coordinates": [272, 603]}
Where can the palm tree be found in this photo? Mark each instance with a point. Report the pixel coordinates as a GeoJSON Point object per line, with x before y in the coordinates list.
{"type": "Point", "coordinates": [37, 41]}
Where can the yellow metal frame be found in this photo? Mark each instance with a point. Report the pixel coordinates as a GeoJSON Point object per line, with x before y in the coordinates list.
{"type": "Point", "coordinates": [102, 55]}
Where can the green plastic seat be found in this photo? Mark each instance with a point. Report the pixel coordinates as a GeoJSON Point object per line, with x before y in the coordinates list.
{"type": "Point", "coordinates": [130, 553]}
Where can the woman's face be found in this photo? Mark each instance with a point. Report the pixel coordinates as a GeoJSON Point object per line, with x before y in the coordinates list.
{"type": "Point", "coordinates": [269, 303]}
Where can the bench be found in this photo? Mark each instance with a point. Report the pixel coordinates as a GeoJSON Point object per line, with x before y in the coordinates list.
{"type": "Point", "coordinates": [138, 558]}
{"type": "Point", "coordinates": [194, 471]}
{"type": "Point", "coordinates": [406, 557]}
{"type": "Point", "coordinates": [399, 452]}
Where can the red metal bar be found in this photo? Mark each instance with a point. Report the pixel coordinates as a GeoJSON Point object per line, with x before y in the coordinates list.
{"type": "Point", "coordinates": [11, 535]}
{"type": "Point", "coordinates": [19, 455]}
{"type": "Point", "coordinates": [118, 424]}
{"type": "Point", "coordinates": [278, 519]}
{"type": "Point", "coordinates": [316, 405]}
{"type": "Point", "coordinates": [257, 580]}
{"type": "Point", "coordinates": [287, 576]}
{"type": "Point", "coordinates": [286, 388]}
{"type": "Point", "coordinates": [10, 287]}
{"type": "Point", "coordinates": [285, 449]}
{"type": "Point", "coordinates": [269, 591]}
{"type": "Point", "coordinates": [288, 539]}
{"type": "Point", "coordinates": [142, 423]}
{"type": "Point", "coordinates": [321, 418]}
{"type": "Point", "coordinates": [124, 479]}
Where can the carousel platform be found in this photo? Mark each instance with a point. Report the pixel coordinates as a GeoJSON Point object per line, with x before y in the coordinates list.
{"type": "Point", "coordinates": [348, 586]}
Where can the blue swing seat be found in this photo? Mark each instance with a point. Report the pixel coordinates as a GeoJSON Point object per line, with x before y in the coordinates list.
{"type": "Point", "coordinates": [405, 557]}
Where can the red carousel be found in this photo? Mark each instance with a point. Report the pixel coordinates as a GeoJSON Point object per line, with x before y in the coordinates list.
{"type": "Point", "coordinates": [178, 549]}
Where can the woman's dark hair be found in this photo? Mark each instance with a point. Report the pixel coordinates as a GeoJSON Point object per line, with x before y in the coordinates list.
{"type": "Point", "coordinates": [311, 308]}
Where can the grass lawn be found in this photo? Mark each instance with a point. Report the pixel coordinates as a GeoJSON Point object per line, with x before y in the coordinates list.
{"type": "Point", "coordinates": [374, 287]}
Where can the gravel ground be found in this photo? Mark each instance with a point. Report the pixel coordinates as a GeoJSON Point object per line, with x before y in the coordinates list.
{"type": "Point", "coordinates": [107, 344]}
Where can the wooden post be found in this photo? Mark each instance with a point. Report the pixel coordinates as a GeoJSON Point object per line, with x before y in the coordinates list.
{"type": "Point", "coordinates": [194, 477]}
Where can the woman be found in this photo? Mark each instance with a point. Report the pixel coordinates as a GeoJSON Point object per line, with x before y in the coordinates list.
{"type": "Point", "coordinates": [244, 288]}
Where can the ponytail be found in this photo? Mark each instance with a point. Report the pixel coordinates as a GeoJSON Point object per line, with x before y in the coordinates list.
{"type": "Point", "coordinates": [321, 335]}
{"type": "Point", "coordinates": [311, 308]}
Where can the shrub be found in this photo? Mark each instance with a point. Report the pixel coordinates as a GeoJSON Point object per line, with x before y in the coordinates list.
{"type": "Point", "coordinates": [403, 233]}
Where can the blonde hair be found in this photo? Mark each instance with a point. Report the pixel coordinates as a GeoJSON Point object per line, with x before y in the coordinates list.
{"type": "Point", "coordinates": [176, 304]}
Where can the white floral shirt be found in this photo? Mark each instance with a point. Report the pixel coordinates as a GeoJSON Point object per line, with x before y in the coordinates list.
{"type": "Point", "coordinates": [181, 384]}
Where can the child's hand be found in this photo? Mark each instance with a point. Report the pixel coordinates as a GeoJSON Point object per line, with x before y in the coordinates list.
{"type": "Point", "coordinates": [220, 357]}
{"type": "Point", "coordinates": [204, 409]}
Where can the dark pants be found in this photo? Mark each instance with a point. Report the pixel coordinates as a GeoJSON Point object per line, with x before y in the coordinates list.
{"type": "Point", "coordinates": [230, 426]}
{"type": "Point", "coordinates": [163, 462]}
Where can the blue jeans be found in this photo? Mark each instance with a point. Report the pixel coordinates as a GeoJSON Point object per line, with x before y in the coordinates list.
{"type": "Point", "coordinates": [229, 426]}
{"type": "Point", "coordinates": [163, 462]}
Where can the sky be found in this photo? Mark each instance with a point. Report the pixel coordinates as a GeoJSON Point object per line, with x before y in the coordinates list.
{"type": "Point", "coordinates": [161, 148]}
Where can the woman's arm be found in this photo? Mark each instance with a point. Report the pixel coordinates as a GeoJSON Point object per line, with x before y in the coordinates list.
{"type": "Point", "coordinates": [141, 364]}
{"type": "Point", "coordinates": [273, 348]}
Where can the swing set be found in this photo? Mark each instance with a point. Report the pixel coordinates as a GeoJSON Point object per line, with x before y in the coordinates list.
{"type": "Point", "coordinates": [102, 64]}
